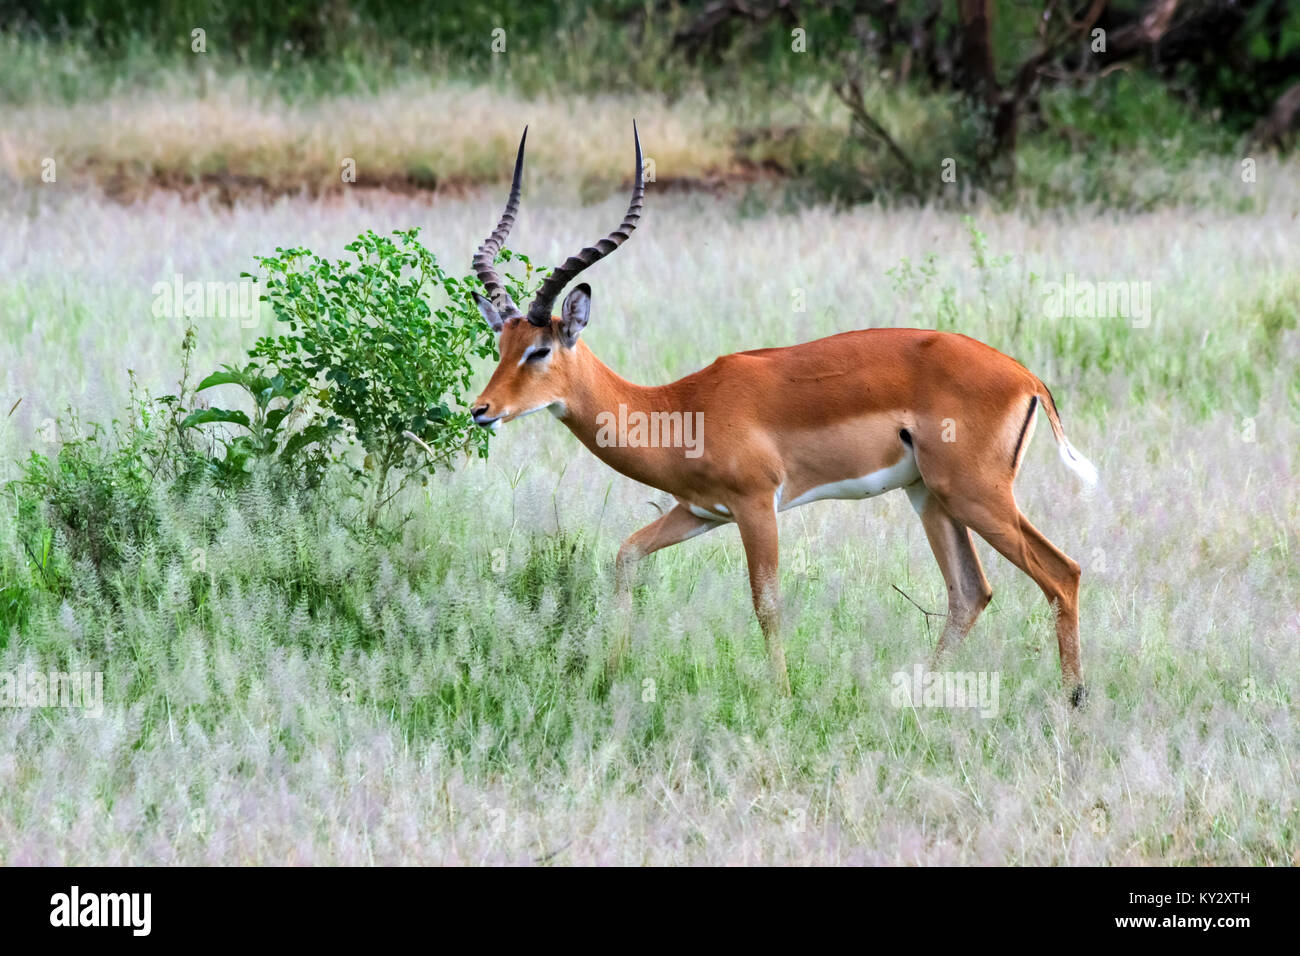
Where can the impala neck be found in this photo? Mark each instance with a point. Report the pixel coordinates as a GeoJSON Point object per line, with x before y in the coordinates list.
{"type": "Point", "coordinates": [602, 405]}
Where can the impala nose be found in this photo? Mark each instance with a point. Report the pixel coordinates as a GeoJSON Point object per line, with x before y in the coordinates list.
{"type": "Point", "coordinates": [480, 415]}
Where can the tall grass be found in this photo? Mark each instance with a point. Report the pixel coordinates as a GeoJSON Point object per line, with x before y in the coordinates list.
{"type": "Point", "coordinates": [306, 694]}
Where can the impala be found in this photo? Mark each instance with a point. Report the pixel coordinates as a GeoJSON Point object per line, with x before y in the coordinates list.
{"type": "Point", "coordinates": [940, 415]}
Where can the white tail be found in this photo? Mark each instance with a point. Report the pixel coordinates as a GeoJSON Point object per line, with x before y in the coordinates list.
{"type": "Point", "coordinates": [1081, 466]}
{"type": "Point", "coordinates": [1072, 457]}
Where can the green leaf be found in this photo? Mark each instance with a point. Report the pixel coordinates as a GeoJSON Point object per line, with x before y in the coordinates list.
{"type": "Point", "coordinates": [310, 435]}
{"type": "Point", "coordinates": [229, 376]}
{"type": "Point", "coordinates": [276, 415]}
{"type": "Point", "coordinates": [206, 416]}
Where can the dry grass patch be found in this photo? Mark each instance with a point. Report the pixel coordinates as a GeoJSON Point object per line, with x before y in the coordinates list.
{"type": "Point", "coordinates": [445, 136]}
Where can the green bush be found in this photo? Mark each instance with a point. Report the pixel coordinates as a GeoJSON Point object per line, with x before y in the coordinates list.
{"type": "Point", "coordinates": [367, 358]}
{"type": "Point", "coordinates": [302, 457]}
{"type": "Point", "coordinates": [95, 500]}
{"type": "Point", "coordinates": [377, 354]}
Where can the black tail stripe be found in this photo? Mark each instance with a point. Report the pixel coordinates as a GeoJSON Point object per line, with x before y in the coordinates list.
{"type": "Point", "coordinates": [1033, 407]}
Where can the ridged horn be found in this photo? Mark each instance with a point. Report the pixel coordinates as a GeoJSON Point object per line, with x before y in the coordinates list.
{"type": "Point", "coordinates": [539, 312]}
{"type": "Point", "coordinates": [485, 258]}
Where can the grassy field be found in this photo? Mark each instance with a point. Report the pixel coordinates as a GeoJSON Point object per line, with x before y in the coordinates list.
{"type": "Point", "coordinates": [305, 695]}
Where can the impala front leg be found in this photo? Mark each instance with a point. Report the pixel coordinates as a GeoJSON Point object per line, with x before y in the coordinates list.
{"type": "Point", "coordinates": [674, 526]}
{"type": "Point", "coordinates": [757, 521]}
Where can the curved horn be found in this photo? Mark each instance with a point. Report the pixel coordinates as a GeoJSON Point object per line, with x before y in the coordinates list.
{"type": "Point", "coordinates": [485, 258]}
{"type": "Point", "coordinates": [539, 313]}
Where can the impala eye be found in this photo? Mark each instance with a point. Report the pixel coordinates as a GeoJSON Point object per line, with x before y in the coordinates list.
{"type": "Point", "coordinates": [540, 353]}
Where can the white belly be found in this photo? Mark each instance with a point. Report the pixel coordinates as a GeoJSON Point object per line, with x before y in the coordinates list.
{"type": "Point", "coordinates": [898, 475]}
{"type": "Point", "coordinates": [718, 512]}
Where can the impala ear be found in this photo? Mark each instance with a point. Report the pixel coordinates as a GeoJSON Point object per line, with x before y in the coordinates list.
{"type": "Point", "coordinates": [490, 312]}
{"type": "Point", "coordinates": [574, 312]}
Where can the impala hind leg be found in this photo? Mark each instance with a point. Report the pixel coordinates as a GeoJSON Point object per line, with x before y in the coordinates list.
{"type": "Point", "coordinates": [997, 519]}
{"type": "Point", "coordinates": [978, 494]}
{"type": "Point", "coordinates": [1057, 575]}
{"type": "Point", "coordinates": [757, 521]}
{"type": "Point", "coordinates": [968, 590]}
{"type": "Point", "coordinates": [672, 527]}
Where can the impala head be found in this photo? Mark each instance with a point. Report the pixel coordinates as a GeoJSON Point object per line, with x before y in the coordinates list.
{"type": "Point", "coordinates": [539, 352]}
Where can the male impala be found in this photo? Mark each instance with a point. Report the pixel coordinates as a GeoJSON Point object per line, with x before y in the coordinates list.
{"type": "Point", "coordinates": [854, 415]}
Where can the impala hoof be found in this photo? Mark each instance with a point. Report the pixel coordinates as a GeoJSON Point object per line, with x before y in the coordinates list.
{"type": "Point", "coordinates": [1079, 697]}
